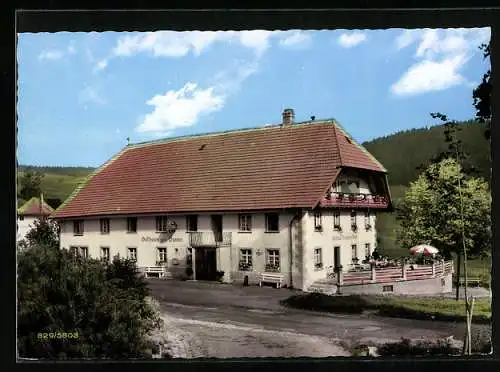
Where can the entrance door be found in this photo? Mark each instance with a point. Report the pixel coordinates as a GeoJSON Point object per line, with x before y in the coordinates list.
{"type": "Point", "coordinates": [206, 264]}
{"type": "Point", "coordinates": [217, 227]}
{"type": "Point", "coordinates": [336, 257]}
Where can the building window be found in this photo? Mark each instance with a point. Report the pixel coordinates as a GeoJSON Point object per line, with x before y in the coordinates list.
{"type": "Point", "coordinates": [368, 225]}
{"type": "Point", "coordinates": [245, 260]}
{"type": "Point", "coordinates": [78, 227]}
{"type": "Point", "coordinates": [336, 220]}
{"type": "Point", "coordinates": [161, 223]}
{"type": "Point", "coordinates": [317, 221]}
{"type": "Point", "coordinates": [354, 250]}
{"type": "Point", "coordinates": [79, 251]}
{"type": "Point", "coordinates": [388, 288]}
{"type": "Point", "coordinates": [272, 222]}
{"type": "Point", "coordinates": [104, 222]}
{"type": "Point", "coordinates": [318, 260]}
{"type": "Point", "coordinates": [21, 217]}
{"type": "Point", "coordinates": [132, 254]}
{"type": "Point", "coordinates": [273, 260]}
{"type": "Point", "coordinates": [192, 223]}
{"type": "Point", "coordinates": [189, 257]}
{"type": "Point", "coordinates": [131, 224]}
{"type": "Point", "coordinates": [367, 250]}
{"type": "Point", "coordinates": [105, 254]}
{"type": "Point", "coordinates": [162, 256]}
{"type": "Point", "coordinates": [354, 222]}
{"type": "Point", "coordinates": [245, 222]}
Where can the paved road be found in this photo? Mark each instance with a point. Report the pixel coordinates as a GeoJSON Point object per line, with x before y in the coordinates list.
{"type": "Point", "coordinates": [231, 321]}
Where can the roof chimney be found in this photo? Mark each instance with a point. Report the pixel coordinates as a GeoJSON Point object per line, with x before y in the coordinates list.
{"type": "Point", "coordinates": [288, 117]}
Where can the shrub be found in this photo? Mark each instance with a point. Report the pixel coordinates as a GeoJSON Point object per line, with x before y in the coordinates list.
{"type": "Point", "coordinates": [321, 302]}
{"type": "Point", "coordinates": [420, 348]}
{"type": "Point", "coordinates": [104, 305]}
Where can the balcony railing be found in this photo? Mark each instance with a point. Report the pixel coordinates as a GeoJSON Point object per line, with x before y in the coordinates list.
{"type": "Point", "coordinates": [209, 239]}
{"type": "Point", "coordinates": [338, 199]}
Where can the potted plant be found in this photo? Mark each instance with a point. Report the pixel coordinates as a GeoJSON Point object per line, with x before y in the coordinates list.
{"type": "Point", "coordinates": [337, 228]}
{"type": "Point", "coordinates": [271, 268]}
{"type": "Point", "coordinates": [219, 276]}
{"type": "Point", "coordinates": [368, 227]}
{"type": "Point", "coordinates": [318, 228]}
{"type": "Point", "coordinates": [243, 266]}
{"type": "Point", "coordinates": [318, 266]}
{"type": "Point", "coordinates": [354, 227]}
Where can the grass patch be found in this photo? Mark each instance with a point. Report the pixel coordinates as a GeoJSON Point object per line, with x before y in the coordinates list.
{"type": "Point", "coordinates": [443, 309]}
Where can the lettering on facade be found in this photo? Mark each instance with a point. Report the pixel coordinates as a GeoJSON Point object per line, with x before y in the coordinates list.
{"type": "Point", "coordinates": [149, 239]}
{"type": "Point", "coordinates": [344, 237]}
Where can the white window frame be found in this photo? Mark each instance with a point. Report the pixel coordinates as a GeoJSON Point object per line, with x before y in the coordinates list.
{"type": "Point", "coordinates": [83, 251]}
{"type": "Point", "coordinates": [161, 223]}
{"type": "Point", "coordinates": [245, 222]}
{"type": "Point", "coordinates": [105, 257]}
{"type": "Point", "coordinates": [78, 227]}
{"type": "Point", "coordinates": [129, 225]}
{"type": "Point", "coordinates": [273, 258]}
{"type": "Point", "coordinates": [130, 255]}
{"type": "Point", "coordinates": [104, 225]}
{"type": "Point", "coordinates": [354, 252]}
{"type": "Point", "coordinates": [317, 221]}
{"type": "Point", "coordinates": [246, 259]}
{"type": "Point", "coordinates": [354, 219]}
{"type": "Point", "coordinates": [188, 222]}
{"type": "Point", "coordinates": [318, 258]}
{"type": "Point", "coordinates": [336, 220]}
{"type": "Point", "coordinates": [278, 222]}
{"type": "Point", "coordinates": [161, 254]}
{"type": "Point", "coordinates": [189, 256]}
{"type": "Point", "coordinates": [368, 224]}
{"type": "Point", "coordinates": [367, 250]}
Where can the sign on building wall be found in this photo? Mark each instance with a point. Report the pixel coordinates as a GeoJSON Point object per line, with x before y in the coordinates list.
{"type": "Point", "coordinates": [149, 239]}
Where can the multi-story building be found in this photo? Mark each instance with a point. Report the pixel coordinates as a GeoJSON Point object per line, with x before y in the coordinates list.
{"type": "Point", "coordinates": [293, 198]}
{"type": "Point", "coordinates": [33, 209]}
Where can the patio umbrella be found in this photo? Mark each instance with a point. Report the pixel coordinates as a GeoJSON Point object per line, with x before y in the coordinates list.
{"type": "Point", "coordinates": [424, 249]}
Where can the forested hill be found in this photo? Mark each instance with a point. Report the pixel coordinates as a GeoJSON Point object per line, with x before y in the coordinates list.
{"type": "Point", "coordinates": [401, 153]}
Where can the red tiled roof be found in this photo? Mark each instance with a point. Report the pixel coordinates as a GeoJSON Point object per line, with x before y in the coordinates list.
{"type": "Point", "coordinates": [32, 208]}
{"type": "Point", "coordinates": [265, 168]}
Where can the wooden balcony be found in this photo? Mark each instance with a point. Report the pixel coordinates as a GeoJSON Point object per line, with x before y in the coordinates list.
{"type": "Point", "coordinates": [350, 200]}
{"type": "Point", "coordinates": [209, 239]}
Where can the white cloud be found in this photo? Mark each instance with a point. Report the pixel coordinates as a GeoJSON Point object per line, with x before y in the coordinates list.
{"type": "Point", "coordinates": [428, 76]}
{"type": "Point", "coordinates": [351, 40]}
{"type": "Point", "coordinates": [50, 55]}
{"type": "Point", "coordinates": [297, 38]}
{"type": "Point", "coordinates": [101, 65]}
{"type": "Point", "coordinates": [57, 54]}
{"type": "Point", "coordinates": [91, 94]}
{"type": "Point", "coordinates": [440, 55]}
{"type": "Point", "coordinates": [181, 108]}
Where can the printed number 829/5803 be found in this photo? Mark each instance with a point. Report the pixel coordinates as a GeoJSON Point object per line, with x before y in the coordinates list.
{"type": "Point", "coordinates": [57, 335]}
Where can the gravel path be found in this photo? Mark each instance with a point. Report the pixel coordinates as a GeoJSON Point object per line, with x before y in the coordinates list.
{"type": "Point", "coordinates": [188, 338]}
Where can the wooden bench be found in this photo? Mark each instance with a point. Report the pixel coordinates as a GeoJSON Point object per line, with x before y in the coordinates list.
{"type": "Point", "coordinates": [161, 271]}
{"type": "Point", "coordinates": [271, 278]}
{"type": "Point", "coordinates": [474, 280]}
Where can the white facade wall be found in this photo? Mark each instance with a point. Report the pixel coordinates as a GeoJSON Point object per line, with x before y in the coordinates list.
{"type": "Point", "coordinates": [328, 238]}
{"type": "Point", "coordinates": [24, 225]}
{"type": "Point", "coordinates": [118, 240]}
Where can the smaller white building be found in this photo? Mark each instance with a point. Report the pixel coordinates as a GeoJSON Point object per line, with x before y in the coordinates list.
{"type": "Point", "coordinates": [27, 214]}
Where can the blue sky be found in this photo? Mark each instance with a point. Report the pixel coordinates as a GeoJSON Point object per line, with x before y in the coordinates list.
{"type": "Point", "coordinates": [82, 94]}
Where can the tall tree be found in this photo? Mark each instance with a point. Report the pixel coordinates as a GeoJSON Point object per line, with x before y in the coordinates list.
{"type": "Point", "coordinates": [431, 212]}
{"type": "Point", "coordinates": [30, 184]}
{"type": "Point", "coordinates": [482, 94]}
